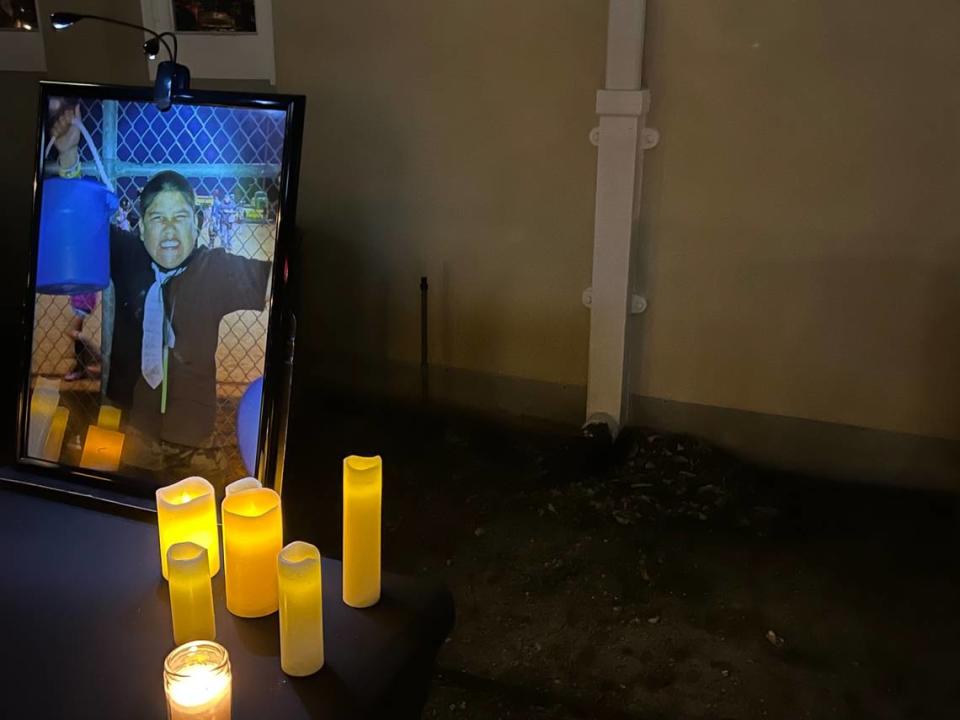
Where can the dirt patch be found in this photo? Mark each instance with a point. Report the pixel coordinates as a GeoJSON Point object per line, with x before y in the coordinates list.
{"type": "Point", "coordinates": [646, 583]}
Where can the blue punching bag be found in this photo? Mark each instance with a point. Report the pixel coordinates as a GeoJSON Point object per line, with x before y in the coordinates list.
{"type": "Point", "coordinates": [74, 250]}
{"type": "Point", "coordinates": [248, 424]}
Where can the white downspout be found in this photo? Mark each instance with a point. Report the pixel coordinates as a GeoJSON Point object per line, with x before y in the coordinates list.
{"type": "Point", "coordinates": [621, 138]}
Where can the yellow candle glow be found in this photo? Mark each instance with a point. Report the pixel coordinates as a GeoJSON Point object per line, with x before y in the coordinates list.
{"type": "Point", "coordinates": [252, 538]}
{"type": "Point", "coordinates": [54, 442]}
{"type": "Point", "coordinates": [246, 483]}
{"type": "Point", "coordinates": [191, 594]}
{"type": "Point", "coordinates": [362, 489]}
{"type": "Point", "coordinates": [109, 417]}
{"type": "Point", "coordinates": [102, 449]}
{"type": "Point", "coordinates": [197, 682]}
{"type": "Point", "coordinates": [43, 406]}
{"type": "Point", "coordinates": [301, 609]}
{"type": "Point", "coordinates": [187, 512]}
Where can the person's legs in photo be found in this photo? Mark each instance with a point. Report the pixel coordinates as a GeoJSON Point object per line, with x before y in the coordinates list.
{"type": "Point", "coordinates": [86, 354]}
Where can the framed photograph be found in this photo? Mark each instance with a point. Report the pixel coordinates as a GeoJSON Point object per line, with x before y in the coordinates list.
{"type": "Point", "coordinates": [19, 15]}
{"type": "Point", "coordinates": [230, 16]}
{"type": "Point", "coordinates": [157, 307]}
{"type": "Point", "coordinates": [21, 40]}
{"type": "Point", "coordinates": [230, 39]}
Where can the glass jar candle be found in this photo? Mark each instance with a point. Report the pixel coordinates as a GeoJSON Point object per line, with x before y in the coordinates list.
{"type": "Point", "coordinates": [197, 682]}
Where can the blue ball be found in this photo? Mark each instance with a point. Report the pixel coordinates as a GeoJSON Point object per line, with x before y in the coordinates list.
{"type": "Point", "coordinates": [248, 424]}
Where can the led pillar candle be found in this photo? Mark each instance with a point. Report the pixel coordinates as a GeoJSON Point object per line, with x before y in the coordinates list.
{"type": "Point", "coordinates": [109, 417]}
{"type": "Point", "coordinates": [301, 609]}
{"type": "Point", "coordinates": [197, 682]}
{"type": "Point", "coordinates": [362, 488]}
{"type": "Point", "coordinates": [54, 442]}
{"type": "Point", "coordinates": [102, 449]}
{"type": "Point", "coordinates": [191, 594]}
{"type": "Point", "coordinates": [246, 483]}
{"type": "Point", "coordinates": [187, 512]}
{"type": "Point", "coordinates": [252, 539]}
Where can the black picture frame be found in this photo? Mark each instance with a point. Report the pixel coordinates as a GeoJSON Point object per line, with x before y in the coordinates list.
{"type": "Point", "coordinates": [281, 324]}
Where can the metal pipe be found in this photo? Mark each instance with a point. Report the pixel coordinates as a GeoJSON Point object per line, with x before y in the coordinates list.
{"type": "Point", "coordinates": [424, 287]}
{"type": "Point", "coordinates": [424, 345]}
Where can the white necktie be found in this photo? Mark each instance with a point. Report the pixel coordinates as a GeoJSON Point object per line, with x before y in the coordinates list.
{"type": "Point", "coordinates": [156, 328]}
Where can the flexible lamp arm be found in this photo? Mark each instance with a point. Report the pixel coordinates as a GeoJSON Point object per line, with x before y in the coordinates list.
{"type": "Point", "coordinates": [171, 77]}
{"type": "Point", "coordinates": [64, 20]}
{"type": "Point", "coordinates": [173, 37]}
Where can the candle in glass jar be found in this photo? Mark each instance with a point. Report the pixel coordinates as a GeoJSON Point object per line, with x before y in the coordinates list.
{"type": "Point", "coordinates": [102, 449]}
{"type": "Point", "coordinates": [191, 594]}
{"type": "Point", "coordinates": [301, 609]}
{"type": "Point", "coordinates": [187, 512]}
{"type": "Point", "coordinates": [197, 682]}
{"type": "Point", "coordinates": [252, 539]}
{"type": "Point", "coordinates": [362, 488]}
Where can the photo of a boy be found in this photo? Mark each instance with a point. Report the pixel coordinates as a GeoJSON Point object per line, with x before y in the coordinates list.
{"type": "Point", "coordinates": [169, 292]}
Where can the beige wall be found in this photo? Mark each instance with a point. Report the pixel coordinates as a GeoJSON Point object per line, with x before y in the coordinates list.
{"type": "Point", "coordinates": [449, 139]}
{"type": "Point", "coordinates": [801, 218]}
{"type": "Point", "coordinates": [800, 245]}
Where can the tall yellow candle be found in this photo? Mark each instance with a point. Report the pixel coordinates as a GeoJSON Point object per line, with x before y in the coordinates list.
{"type": "Point", "coordinates": [102, 449]}
{"type": "Point", "coordinates": [362, 489]}
{"type": "Point", "coordinates": [301, 609]}
{"type": "Point", "coordinates": [191, 594]}
{"type": "Point", "coordinates": [54, 441]}
{"type": "Point", "coordinates": [197, 682]}
{"type": "Point", "coordinates": [109, 417]}
{"type": "Point", "coordinates": [252, 539]}
{"type": "Point", "coordinates": [187, 512]}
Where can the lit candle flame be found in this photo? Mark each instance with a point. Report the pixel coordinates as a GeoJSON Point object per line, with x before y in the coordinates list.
{"type": "Point", "coordinates": [198, 685]}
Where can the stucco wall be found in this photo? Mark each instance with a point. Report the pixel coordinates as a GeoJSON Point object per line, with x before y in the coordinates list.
{"type": "Point", "coordinates": [800, 223]}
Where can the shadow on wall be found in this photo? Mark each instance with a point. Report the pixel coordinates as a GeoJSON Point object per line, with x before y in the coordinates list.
{"type": "Point", "coordinates": [344, 293]}
{"type": "Point", "coordinates": [351, 228]}
{"type": "Point", "coordinates": [368, 230]}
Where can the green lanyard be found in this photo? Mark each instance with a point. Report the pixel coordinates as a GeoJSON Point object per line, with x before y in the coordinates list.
{"type": "Point", "coordinates": [163, 383]}
{"type": "Point", "coordinates": [167, 325]}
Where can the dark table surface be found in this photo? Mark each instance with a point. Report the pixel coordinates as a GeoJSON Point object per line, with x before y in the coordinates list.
{"type": "Point", "coordinates": [85, 620]}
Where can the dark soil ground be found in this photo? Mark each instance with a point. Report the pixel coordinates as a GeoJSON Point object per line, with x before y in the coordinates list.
{"type": "Point", "coordinates": [664, 579]}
